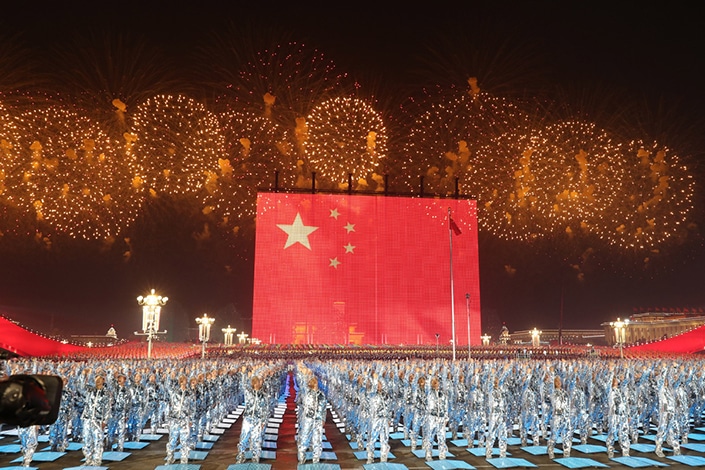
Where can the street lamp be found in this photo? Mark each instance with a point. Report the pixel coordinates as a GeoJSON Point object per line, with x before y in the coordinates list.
{"type": "Point", "coordinates": [536, 338]}
{"type": "Point", "coordinates": [438, 335]}
{"type": "Point", "coordinates": [151, 309]}
{"type": "Point", "coordinates": [620, 329]}
{"type": "Point", "coordinates": [204, 331]}
{"type": "Point", "coordinates": [242, 337]}
{"type": "Point", "coordinates": [485, 339]}
{"type": "Point", "coordinates": [228, 335]}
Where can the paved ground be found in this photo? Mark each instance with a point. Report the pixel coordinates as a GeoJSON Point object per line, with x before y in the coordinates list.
{"type": "Point", "coordinates": [281, 434]}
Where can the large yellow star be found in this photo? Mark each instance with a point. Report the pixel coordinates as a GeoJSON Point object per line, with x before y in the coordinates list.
{"type": "Point", "coordinates": [297, 232]}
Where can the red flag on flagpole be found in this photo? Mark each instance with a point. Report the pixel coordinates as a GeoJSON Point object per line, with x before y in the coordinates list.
{"type": "Point", "coordinates": [454, 227]}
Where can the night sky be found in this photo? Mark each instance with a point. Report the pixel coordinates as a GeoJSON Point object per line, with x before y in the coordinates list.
{"type": "Point", "coordinates": [634, 66]}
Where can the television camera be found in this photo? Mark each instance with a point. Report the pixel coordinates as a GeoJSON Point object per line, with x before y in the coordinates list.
{"type": "Point", "coordinates": [26, 400]}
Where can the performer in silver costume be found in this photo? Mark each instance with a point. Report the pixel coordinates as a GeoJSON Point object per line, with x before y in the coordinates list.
{"type": "Point", "coordinates": [409, 406]}
{"type": "Point", "coordinates": [497, 423]}
{"type": "Point", "coordinates": [598, 389]}
{"type": "Point", "coordinates": [545, 395]}
{"type": "Point", "coordinates": [154, 397]}
{"type": "Point", "coordinates": [96, 412]}
{"type": "Point", "coordinates": [360, 407]}
{"type": "Point", "coordinates": [698, 391]}
{"type": "Point", "coordinates": [398, 402]}
{"type": "Point", "coordinates": [121, 404]}
{"type": "Point", "coordinates": [477, 410]}
{"type": "Point", "coordinates": [436, 420]}
{"type": "Point", "coordinates": [352, 407]}
{"type": "Point", "coordinates": [380, 410]}
{"type": "Point", "coordinates": [58, 432]}
{"type": "Point", "coordinates": [179, 421]}
{"type": "Point", "coordinates": [254, 419]}
{"type": "Point", "coordinates": [683, 404]}
{"type": "Point", "coordinates": [617, 419]}
{"type": "Point", "coordinates": [529, 416]}
{"type": "Point", "coordinates": [137, 408]}
{"type": "Point", "coordinates": [561, 426]}
{"type": "Point", "coordinates": [312, 416]}
{"type": "Point", "coordinates": [580, 415]}
{"type": "Point", "coordinates": [28, 443]}
{"type": "Point", "coordinates": [82, 383]}
{"type": "Point", "coordinates": [667, 421]}
{"type": "Point", "coordinates": [458, 408]}
{"type": "Point", "coordinates": [419, 418]}
{"type": "Point", "coordinates": [639, 403]}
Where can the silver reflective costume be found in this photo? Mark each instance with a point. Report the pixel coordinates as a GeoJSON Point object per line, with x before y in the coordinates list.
{"type": "Point", "coordinates": [497, 423]}
{"type": "Point", "coordinates": [154, 396]}
{"type": "Point", "coordinates": [419, 417]}
{"type": "Point", "coordinates": [617, 420]}
{"type": "Point", "coordinates": [530, 420]}
{"type": "Point", "coordinates": [436, 420]}
{"type": "Point", "coordinates": [58, 432]}
{"type": "Point", "coordinates": [458, 408]}
{"type": "Point", "coordinates": [380, 411]}
{"type": "Point", "coordinates": [28, 443]}
{"type": "Point", "coordinates": [136, 413]}
{"type": "Point", "coordinates": [255, 416]}
{"type": "Point", "coordinates": [667, 423]}
{"type": "Point", "coordinates": [121, 404]}
{"type": "Point", "coordinates": [312, 415]}
{"type": "Point", "coordinates": [96, 412]}
{"type": "Point", "coordinates": [477, 412]}
{"type": "Point", "coordinates": [580, 409]}
{"type": "Point", "coordinates": [561, 424]}
{"type": "Point", "coordinates": [179, 421]}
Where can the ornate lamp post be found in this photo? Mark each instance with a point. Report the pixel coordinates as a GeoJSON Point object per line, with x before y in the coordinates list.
{"type": "Point", "coordinates": [485, 339]}
{"type": "Point", "coordinates": [204, 331]}
{"type": "Point", "coordinates": [151, 310]}
{"type": "Point", "coordinates": [620, 329]}
{"type": "Point", "coordinates": [228, 335]}
{"type": "Point", "coordinates": [242, 337]}
{"type": "Point", "coordinates": [536, 338]}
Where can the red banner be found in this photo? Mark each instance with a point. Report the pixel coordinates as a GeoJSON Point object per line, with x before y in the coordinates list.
{"type": "Point", "coordinates": [353, 269]}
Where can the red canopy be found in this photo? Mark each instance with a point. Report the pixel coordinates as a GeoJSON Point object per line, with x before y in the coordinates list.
{"type": "Point", "coordinates": [23, 342]}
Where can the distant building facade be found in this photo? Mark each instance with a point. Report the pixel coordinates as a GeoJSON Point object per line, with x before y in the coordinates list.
{"type": "Point", "coordinates": [564, 336]}
{"type": "Point", "coordinates": [97, 341]}
{"type": "Point", "coordinates": [652, 325]}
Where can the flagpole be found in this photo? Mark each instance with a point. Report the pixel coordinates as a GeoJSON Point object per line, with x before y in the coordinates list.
{"type": "Point", "coordinates": [452, 293]}
{"type": "Point", "coordinates": [467, 308]}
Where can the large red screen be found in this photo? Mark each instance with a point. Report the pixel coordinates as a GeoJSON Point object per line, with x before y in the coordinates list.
{"type": "Point", "coordinates": [355, 269]}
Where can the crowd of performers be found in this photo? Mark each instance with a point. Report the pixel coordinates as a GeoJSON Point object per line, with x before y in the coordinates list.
{"type": "Point", "coordinates": [108, 402]}
{"type": "Point", "coordinates": [548, 401]}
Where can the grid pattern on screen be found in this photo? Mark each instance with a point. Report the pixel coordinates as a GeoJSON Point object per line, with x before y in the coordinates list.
{"type": "Point", "coordinates": [342, 269]}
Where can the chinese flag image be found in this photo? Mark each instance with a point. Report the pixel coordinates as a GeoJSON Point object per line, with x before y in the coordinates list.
{"type": "Point", "coordinates": [357, 269]}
